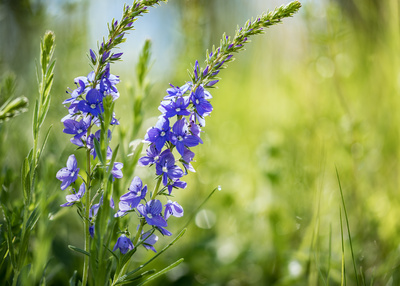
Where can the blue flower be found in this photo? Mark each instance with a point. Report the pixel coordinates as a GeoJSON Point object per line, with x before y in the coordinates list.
{"type": "Point", "coordinates": [130, 200]}
{"type": "Point", "coordinates": [176, 184]}
{"type": "Point", "coordinates": [198, 98]}
{"type": "Point", "coordinates": [152, 156]}
{"type": "Point", "coordinates": [124, 244]}
{"type": "Point", "coordinates": [158, 134]}
{"type": "Point", "coordinates": [116, 170]}
{"type": "Point", "coordinates": [181, 138]}
{"type": "Point", "coordinates": [186, 159]}
{"type": "Point", "coordinates": [167, 168]}
{"type": "Point", "coordinates": [108, 82]}
{"type": "Point", "coordinates": [149, 240]}
{"type": "Point", "coordinates": [93, 103]}
{"type": "Point", "coordinates": [81, 83]}
{"type": "Point", "coordinates": [152, 213]}
{"type": "Point", "coordinates": [173, 208]}
{"type": "Point", "coordinates": [77, 128]}
{"type": "Point", "coordinates": [69, 174]}
{"type": "Point", "coordinates": [178, 107]}
{"type": "Point", "coordinates": [75, 197]}
{"type": "Point", "coordinates": [176, 91]}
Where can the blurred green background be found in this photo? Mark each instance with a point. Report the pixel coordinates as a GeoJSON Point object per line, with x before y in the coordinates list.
{"type": "Point", "coordinates": [317, 94]}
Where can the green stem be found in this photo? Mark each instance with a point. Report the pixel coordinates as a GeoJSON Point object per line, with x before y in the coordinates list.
{"type": "Point", "coordinates": [139, 232]}
{"type": "Point", "coordinates": [87, 211]}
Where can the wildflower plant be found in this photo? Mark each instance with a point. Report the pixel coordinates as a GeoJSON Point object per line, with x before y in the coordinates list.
{"type": "Point", "coordinates": [90, 120]}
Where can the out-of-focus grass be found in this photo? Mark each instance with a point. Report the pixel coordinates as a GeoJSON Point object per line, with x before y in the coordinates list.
{"type": "Point", "coordinates": [316, 94]}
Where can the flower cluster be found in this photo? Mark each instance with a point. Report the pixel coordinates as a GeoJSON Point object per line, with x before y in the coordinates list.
{"type": "Point", "coordinates": [177, 130]}
{"type": "Point", "coordinates": [85, 113]}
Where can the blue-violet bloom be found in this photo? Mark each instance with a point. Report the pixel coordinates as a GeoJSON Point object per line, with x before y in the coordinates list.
{"type": "Point", "coordinates": [181, 138]}
{"type": "Point", "coordinates": [124, 244]}
{"type": "Point", "coordinates": [75, 197]}
{"type": "Point", "coordinates": [173, 208]}
{"type": "Point", "coordinates": [69, 174]}
{"type": "Point", "coordinates": [152, 213]}
{"type": "Point", "coordinates": [167, 168]}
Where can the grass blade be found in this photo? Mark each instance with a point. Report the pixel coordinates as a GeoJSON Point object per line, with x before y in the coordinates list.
{"type": "Point", "coordinates": [348, 228]}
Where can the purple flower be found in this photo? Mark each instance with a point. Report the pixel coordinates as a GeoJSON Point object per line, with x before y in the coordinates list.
{"type": "Point", "coordinates": [77, 128]}
{"type": "Point", "coordinates": [69, 174]}
{"type": "Point", "coordinates": [75, 197]}
{"type": "Point", "coordinates": [151, 158]}
{"type": "Point", "coordinates": [149, 240]}
{"type": "Point", "coordinates": [116, 170]}
{"type": "Point", "coordinates": [93, 103]}
{"type": "Point", "coordinates": [81, 83]}
{"type": "Point", "coordinates": [173, 208]}
{"type": "Point", "coordinates": [130, 200]}
{"type": "Point", "coordinates": [181, 138]}
{"type": "Point", "coordinates": [176, 184]}
{"type": "Point", "coordinates": [176, 91]}
{"type": "Point", "coordinates": [91, 230]}
{"type": "Point", "coordinates": [158, 134]}
{"type": "Point", "coordinates": [186, 159]}
{"type": "Point", "coordinates": [194, 128]}
{"type": "Point", "coordinates": [124, 244]}
{"type": "Point", "coordinates": [178, 107]}
{"type": "Point", "coordinates": [196, 70]}
{"type": "Point", "coordinates": [167, 168]}
{"type": "Point", "coordinates": [93, 56]}
{"type": "Point", "coordinates": [203, 107]}
{"type": "Point", "coordinates": [152, 213]}
{"type": "Point", "coordinates": [108, 82]}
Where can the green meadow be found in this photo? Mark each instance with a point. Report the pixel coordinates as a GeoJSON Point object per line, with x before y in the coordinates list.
{"type": "Point", "coordinates": [302, 148]}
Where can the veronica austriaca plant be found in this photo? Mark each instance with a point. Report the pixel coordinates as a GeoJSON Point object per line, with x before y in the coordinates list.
{"type": "Point", "coordinates": [170, 151]}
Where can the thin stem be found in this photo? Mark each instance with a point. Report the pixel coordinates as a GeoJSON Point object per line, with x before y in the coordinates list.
{"type": "Point", "coordinates": [87, 212]}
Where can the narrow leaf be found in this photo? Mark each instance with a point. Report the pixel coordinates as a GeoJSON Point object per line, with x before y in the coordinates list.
{"type": "Point", "coordinates": [165, 270]}
{"type": "Point", "coordinates": [98, 150]}
{"type": "Point", "coordinates": [151, 259]}
{"type": "Point", "coordinates": [139, 276]}
{"type": "Point", "coordinates": [74, 248]}
{"type": "Point", "coordinates": [32, 220]}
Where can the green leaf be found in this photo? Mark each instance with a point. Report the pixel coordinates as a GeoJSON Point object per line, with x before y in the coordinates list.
{"type": "Point", "coordinates": [73, 279]}
{"type": "Point", "coordinates": [165, 270]}
{"type": "Point", "coordinates": [74, 248]}
{"type": "Point", "coordinates": [35, 120]}
{"type": "Point", "coordinates": [130, 274]}
{"type": "Point", "coordinates": [23, 275]}
{"type": "Point", "coordinates": [25, 177]}
{"type": "Point", "coordinates": [44, 143]}
{"type": "Point", "coordinates": [13, 108]}
{"type": "Point", "coordinates": [9, 235]}
{"type": "Point", "coordinates": [137, 277]}
{"type": "Point", "coordinates": [32, 220]}
{"type": "Point", "coordinates": [98, 150]}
